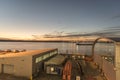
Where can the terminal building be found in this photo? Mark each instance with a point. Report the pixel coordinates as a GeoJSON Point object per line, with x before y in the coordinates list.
{"type": "Point", "coordinates": [25, 64]}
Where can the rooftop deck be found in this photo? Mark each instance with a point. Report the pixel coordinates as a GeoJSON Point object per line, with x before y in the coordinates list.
{"type": "Point", "coordinates": [18, 54]}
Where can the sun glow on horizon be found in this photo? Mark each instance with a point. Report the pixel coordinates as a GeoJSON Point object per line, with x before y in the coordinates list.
{"type": "Point", "coordinates": [17, 37]}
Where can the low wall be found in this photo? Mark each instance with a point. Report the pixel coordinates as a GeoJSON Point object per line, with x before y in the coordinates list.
{"type": "Point", "coordinates": [107, 67]}
{"type": "Point", "coordinates": [108, 70]}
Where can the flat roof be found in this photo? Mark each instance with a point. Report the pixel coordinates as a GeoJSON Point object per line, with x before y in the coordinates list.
{"type": "Point", "coordinates": [57, 60]}
{"type": "Point", "coordinates": [26, 53]}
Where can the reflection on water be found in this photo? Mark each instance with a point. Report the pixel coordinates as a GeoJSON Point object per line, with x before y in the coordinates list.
{"type": "Point", "coordinates": [105, 48]}
{"type": "Point", "coordinates": [63, 47]}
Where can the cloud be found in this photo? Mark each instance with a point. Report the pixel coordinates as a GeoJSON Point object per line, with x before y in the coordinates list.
{"type": "Point", "coordinates": [116, 17]}
{"type": "Point", "coordinates": [2, 38]}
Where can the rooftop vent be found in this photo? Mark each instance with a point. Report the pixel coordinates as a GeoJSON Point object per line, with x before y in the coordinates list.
{"type": "Point", "coordinates": [15, 51]}
{"type": "Point", "coordinates": [23, 50]}
{"type": "Point", "coordinates": [7, 50]}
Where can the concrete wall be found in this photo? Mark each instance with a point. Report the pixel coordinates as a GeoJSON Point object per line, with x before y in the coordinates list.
{"type": "Point", "coordinates": [107, 67]}
{"type": "Point", "coordinates": [36, 67]}
{"type": "Point", "coordinates": [108, 70]}
{"type": "Point", "coordinates": [22, 65]}
{"type": "Point", "coordinates": [117, 61]}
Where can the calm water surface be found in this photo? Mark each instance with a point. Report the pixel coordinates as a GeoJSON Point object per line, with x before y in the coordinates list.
{"type": "Point", "coordinates": [63, 47]}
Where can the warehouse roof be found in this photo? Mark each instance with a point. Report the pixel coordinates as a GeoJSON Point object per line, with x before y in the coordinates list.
{"type": "Point", "coordinates": [57, 60]}
{"type": "Point", "coordinates": [26, 53]}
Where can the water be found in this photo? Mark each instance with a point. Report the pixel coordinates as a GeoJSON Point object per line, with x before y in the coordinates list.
{"type": "Point", "coordinates": [63, 47]}
{"type": "Point", "coordinates": [105, 49]}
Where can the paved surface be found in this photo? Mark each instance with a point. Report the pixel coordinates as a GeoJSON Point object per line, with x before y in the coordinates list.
{"type": "Point", "coordinates": [10, 77]}
{"type": "Point", "coordinates": [90, 72]}
{"type": "Point", "coordinates": [45, 76]}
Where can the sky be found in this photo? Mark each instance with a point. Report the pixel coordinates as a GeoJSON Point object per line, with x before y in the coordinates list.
{"type": "Point", "coordinates": [24, 18]}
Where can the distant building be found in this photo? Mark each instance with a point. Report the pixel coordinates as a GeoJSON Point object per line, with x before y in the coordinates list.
{"type": "Point", "coordinates": [25, 64]}
{"type": "Point", "coordinates": [55, 65]}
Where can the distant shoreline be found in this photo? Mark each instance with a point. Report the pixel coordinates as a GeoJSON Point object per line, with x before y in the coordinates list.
{"type": "Point", "coordinates": [58, 41]}
{"type": "Point", "coordinates": [30, 41]}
